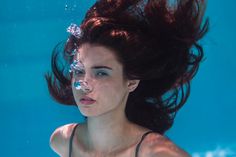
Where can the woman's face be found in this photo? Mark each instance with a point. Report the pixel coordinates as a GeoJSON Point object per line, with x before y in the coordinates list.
{"type": "Point", "coordinates": [104, 75]}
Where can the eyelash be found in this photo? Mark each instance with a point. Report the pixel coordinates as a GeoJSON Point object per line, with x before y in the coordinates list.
{"type": "Point", "coordinates": [81, 72]}
{"type": "Point", "coordinates": [78, 72]}
{"type": "Point", "coordinates": [101, 72]}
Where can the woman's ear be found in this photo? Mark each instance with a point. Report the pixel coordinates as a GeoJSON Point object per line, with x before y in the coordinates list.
{"type": "Point", "coordinates": [132, 85]}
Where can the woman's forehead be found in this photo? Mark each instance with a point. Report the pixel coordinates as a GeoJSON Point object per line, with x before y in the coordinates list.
{"type": "Point", "coordinates": [96, 54]}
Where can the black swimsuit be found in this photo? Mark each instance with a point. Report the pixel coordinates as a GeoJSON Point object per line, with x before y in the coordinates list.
{"type": "Point", "coordinates": [136, 150]}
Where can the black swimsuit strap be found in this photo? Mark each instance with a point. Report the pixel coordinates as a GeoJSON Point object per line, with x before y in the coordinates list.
{"type": "Point", "coordinates": [71, 140]}
{"type": "Point", "coordinates": [137, 147]}
{"type": "Point", "coordinates": [139, 144]}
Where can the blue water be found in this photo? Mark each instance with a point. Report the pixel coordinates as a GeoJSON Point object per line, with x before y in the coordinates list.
{"type": "Point", "coordinates": [29, 30]}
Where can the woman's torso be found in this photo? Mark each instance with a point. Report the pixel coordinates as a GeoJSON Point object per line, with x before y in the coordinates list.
{"type": "Point", "coordinates": [65, 141]}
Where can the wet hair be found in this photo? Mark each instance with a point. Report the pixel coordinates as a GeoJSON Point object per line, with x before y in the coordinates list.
{"type": "Point", "coordinates": [156, 41]}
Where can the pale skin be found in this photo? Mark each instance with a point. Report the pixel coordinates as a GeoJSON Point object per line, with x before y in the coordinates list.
{"type": "Point", "coordinates": [107, 132]}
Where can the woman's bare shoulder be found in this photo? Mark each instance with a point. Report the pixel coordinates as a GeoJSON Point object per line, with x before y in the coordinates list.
{"type": "Point", "coordinates": [156, 145]}
{"type": "Point", "coordinates": [59, 140]}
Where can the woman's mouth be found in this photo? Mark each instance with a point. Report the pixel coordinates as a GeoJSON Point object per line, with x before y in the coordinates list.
{"type": "Point", "coordinates": [86, 100]}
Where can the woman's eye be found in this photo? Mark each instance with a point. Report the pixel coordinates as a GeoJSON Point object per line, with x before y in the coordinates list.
{"type": "Point", "coordinates": [101, 73]}
{"type": "Point", "coordinates": [78, 72]}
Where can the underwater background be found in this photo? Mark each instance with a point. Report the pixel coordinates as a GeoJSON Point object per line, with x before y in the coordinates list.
{"type": "Point", "coordinates": [29, 30]}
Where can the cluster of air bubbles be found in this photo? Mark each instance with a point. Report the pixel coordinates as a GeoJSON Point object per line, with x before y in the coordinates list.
{"type": "Point", "coordinates": [77, 85]}
{"type": "Point", "coordinates": [76, 65]}
{"type": "Point", "coordinates": [74, 30]}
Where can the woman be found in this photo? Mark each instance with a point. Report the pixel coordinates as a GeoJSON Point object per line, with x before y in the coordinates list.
{"type": "Point", "coordinates": [131, 63]}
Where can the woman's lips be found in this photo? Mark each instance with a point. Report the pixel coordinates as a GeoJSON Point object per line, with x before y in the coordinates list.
{"type": "Point", "coordinates": [86, 100]}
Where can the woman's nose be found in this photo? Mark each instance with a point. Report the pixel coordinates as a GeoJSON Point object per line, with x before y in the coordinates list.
{"type": "Point", "coordinates": [83, 86]}
{"type": "Point", "coordinates": [87, 78]}
{"type": "Point", "coordinates": [86, 87]}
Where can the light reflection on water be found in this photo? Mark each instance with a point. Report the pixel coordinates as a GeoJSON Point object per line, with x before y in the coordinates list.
{"type": "Point", "coordinates": [219, 151]}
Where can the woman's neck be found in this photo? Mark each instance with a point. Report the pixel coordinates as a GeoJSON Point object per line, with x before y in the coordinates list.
{"type": "Point", "coordinates": [107, 134]}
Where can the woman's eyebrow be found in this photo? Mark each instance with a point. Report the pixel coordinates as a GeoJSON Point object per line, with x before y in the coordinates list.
{"type": "Point", "coordinates": [101, 67]}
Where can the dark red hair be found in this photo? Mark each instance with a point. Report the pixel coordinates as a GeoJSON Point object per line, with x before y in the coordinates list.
{"type": "Point", "coordinates": [155, 41]}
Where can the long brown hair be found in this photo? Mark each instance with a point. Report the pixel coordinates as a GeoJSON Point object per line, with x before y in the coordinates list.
{"type": "Point", "coordinates": [156, 42]}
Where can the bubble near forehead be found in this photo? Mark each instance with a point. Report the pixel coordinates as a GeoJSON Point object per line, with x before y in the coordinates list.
{"type": "Point", "coordinates": [76, 65]}
{"type": "Point", "coordinates": [74, 52]}
{"type": "Point", "coordinates": [75, 30]}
